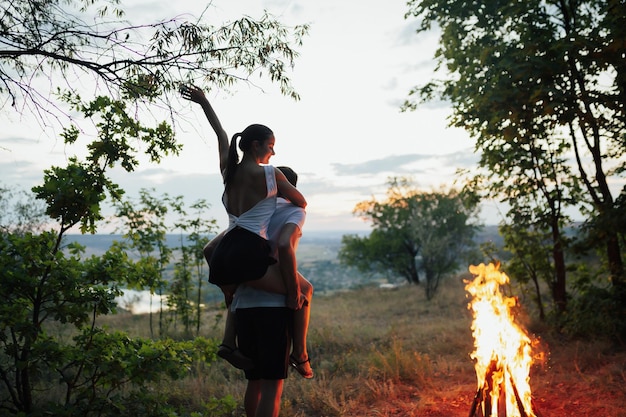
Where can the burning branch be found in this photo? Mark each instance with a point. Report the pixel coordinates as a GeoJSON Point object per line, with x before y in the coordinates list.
{"type": "Point", "coordinates": [502, 348]}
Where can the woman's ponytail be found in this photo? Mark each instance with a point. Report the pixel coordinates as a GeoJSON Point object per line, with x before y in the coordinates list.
{"type": "Point", "coordinates": [233, 160]}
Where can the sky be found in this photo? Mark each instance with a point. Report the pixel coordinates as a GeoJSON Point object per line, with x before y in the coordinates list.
{"type": "Point", "coordinates": [345, 137]}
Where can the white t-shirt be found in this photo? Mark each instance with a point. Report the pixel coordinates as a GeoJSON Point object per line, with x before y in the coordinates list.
{"type": "Point", "coordinates": [285, 213]}
{"type": "Point", "coordinates": [248, 297]}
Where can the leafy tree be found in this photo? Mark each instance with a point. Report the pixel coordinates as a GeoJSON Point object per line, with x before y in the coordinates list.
{"type": "Point", "coordinates": [413, 231]}
{"type": "Point", "coordinates": [538, 189]}
{"type": "Point", "coordinates": [444, 224]}
{"type": "Point", "coordinates": [96, 366]}
{"type": "Point", "coordinates": [531, 260]}
{"type": "Point", "coordinates": [365, 253]}
{"type": "Point", "coordinates": [194, 235]}
{"type": "Point", "coordinates": [74, 194]}
{"type": "Point", "coordinates": [48, 286]}
{"type": "Point", "coordinates": [146, 231]}
{"type": "Point", "coordinates": [65, 40]}
{"type": "Point", "coordinates": [145, 227]}
{"type": "Point", "coordinates": [541, 86]}
{"type": "Point", "coordinates": [19, 213]}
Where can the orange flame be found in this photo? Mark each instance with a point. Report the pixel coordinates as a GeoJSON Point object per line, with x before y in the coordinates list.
{"type": "Point", "coordinates": [502, 349]}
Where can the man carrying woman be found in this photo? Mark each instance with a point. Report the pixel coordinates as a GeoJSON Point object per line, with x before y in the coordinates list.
{"type": "Point", "coordinates": [243, 255]}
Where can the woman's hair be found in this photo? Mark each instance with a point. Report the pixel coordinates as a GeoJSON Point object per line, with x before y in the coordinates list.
{"type": "Point", "coordinates": [251, 133]}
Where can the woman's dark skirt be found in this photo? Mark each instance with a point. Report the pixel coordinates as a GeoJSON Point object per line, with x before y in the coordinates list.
{"type": "Point", "coordinates": [240, 256]}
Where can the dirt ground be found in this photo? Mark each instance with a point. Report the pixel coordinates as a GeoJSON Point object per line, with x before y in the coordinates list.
{"type": "Point", "coordinates": [581, 379]}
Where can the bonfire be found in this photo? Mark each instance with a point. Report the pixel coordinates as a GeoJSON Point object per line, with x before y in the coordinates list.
{"type": "Point", "coordinates": [502, 349]}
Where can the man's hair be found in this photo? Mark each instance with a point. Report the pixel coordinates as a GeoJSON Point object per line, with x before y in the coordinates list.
{"type": "Point", "coordinates": [291, 175]}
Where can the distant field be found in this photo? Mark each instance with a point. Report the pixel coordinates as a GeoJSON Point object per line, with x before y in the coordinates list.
{"type": "Point", "coordinates": [314, 246]}
{"type": "Point", "coordinates": [317, 259]}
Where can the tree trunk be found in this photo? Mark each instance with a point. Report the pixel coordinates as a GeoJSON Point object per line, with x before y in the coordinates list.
{"type": "Point", "coordinates": [542, 314]}
{"type": "Point", "coordinates": [558, 286]}
{"type": "Point", "coordinates": [591, 128]}
{"type": "Point", "coordinates": [614, 258]}
{"type": "Point", "coordinates": [414, 277]}
{"type": "Point", "coordinates": [23, 381]}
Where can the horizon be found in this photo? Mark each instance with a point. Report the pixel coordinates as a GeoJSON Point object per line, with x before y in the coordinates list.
{"type": "Point", "coordinates": [343, 162]}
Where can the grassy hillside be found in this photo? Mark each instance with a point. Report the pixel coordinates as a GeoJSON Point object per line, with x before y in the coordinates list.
{"type": "Point", "coordinates": [393, 353]}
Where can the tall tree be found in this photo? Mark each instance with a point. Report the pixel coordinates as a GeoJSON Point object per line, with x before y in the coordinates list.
{"type": "Point", "coordinates": [195, 230]}
{"type": "Point", "coordinates": [143, 225]}
{"type": "Point", "coordinates": [538, 189]}
{"type": "Point", "coordinates": [445, 224]}
{"type": "Point", "coordinates": [63, 41]}
{"type": "Point", "coordinates": [413, 231]}
{"type": "Point", "coordinates": [47, 285]}
{"type": "Point", "coordinates": [539, 70]}
{"type": "Point", "coordinates": [532, 260]}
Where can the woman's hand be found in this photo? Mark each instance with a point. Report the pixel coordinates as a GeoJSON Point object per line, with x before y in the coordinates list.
{"type": "Point", "coordinates": [192, 93]}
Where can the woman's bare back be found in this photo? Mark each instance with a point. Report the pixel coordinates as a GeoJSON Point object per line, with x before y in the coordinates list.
{"type": "Point", "coordinates": [247, 189]}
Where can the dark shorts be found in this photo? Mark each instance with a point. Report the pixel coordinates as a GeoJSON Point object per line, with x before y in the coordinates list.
{"type": "Point", "coordinates": [240, 256]}
{"type": "Point", "coordinates": [263, 336]}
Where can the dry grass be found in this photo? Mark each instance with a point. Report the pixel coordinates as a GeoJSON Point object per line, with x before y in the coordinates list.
{"type": "Point", "coordinates": [393, 353]}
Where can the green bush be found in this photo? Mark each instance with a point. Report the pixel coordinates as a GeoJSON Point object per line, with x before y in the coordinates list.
{"type": "Point", "coordinates": [595, 312]}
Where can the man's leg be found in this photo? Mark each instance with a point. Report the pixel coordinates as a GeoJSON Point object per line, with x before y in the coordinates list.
{"type": "Point", "coordinates": [252, 397]}
{"type": "Point", "coordinates": [272, 282]}
{"type": "Point", "coordinates": [263, 398]}
{"type": "Point", "coordinates": [264, 337]}
{"type": "Point", "coordinates": [269, 401]}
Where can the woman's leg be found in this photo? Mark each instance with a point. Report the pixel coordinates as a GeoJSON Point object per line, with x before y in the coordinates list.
{"type": "Point", "coordinates": [282, 278]}
{"type": "Point", "coordinates": [300, 356]}
{"type": "Point", "coordinates": [228, 349]}
{"type": "Point", "coordinates": [210, 247]}
{"type": "Point", "coordinates": [230, 335]}
{"type": "Point", "coordinates": [299, 296]}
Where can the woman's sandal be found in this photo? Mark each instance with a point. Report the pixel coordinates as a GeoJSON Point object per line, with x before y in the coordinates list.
{"type": "Point", "coordinates": [235, 357]}
{"type": "Point", "coordinates": [299, 366]}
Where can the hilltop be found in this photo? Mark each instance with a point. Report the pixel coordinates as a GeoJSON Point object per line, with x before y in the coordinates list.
{"type": "Point", "coordinates": [393, 353]}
